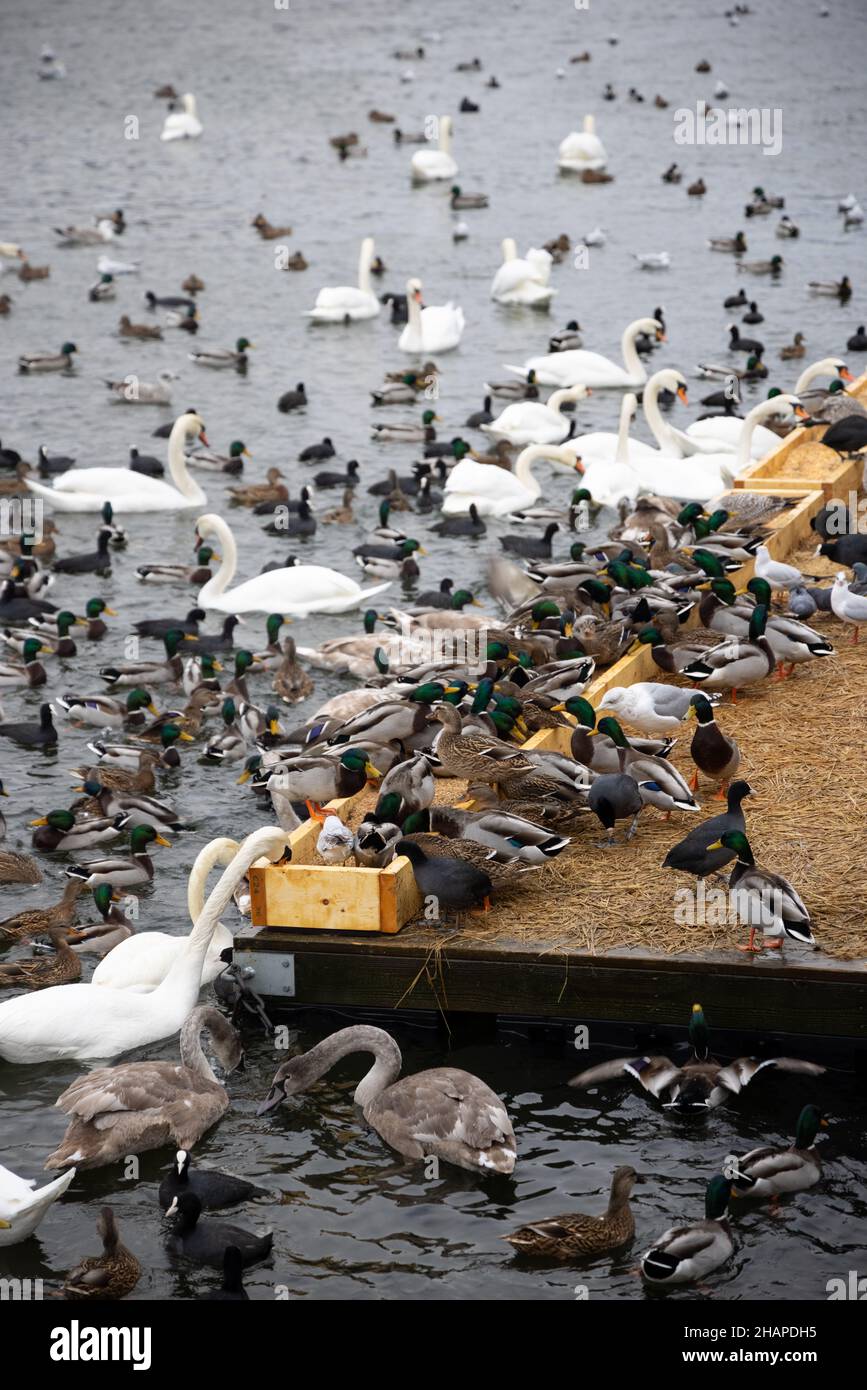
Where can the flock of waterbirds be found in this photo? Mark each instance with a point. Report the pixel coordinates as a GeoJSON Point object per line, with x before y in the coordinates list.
{"type": "Point", "coordinates": [415, 709]}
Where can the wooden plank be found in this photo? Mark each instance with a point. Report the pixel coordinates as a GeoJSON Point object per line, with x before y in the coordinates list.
{"type": "Point", "coordinates": [399, 897]}
{"type": "Point", "coordinates": [833, 479]}
{"type": "Point", "coordinates": [445, 974]}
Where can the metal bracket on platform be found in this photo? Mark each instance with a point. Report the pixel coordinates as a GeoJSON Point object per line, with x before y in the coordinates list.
{"type": "Point", "coordinates": [271, 974]}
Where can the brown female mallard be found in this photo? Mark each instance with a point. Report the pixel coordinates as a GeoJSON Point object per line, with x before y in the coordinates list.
{"type": "Point", "coordinates": [475, 755]}
{"type": "Point", "coordinates": [34, 920]}
{"type": "Point", "coordinates": [18, 868]}
{"type": "Point", "coordinates": [291, 682]}
{"type": "Point", "coordinates": [113, 1274]}
{"type": "Point", "coordinates": [564, 1237]}
{"type": "Point", "coordinates": [61, 968]}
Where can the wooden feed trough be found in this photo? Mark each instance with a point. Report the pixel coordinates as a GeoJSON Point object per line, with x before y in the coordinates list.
{"type": "Point", "coordinates": [802, 461]}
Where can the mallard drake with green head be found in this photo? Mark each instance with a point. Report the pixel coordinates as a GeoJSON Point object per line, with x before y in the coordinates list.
{"type": "Point", "coordinates": [684, 1254]}
{"type": "Point", "coordinates": [659, 782]}
{"type": "Point", "coordinates": [59, 830]}
{"type": "Point", "coordinates": [733, 664]}
{"type": "Point", "coordinates": [103, 936]}
{"type": "Point", "coordinates": [714, 753]}
{"type": "Point", "coordinates": [223, 357]}
{"type": "Point", "coordinates": [146, 673]}
{"type": "Point", "coordinates": [197, 574]}
{"type": "Point", "coordinates": [596, 750]}
{"type": "Point", "coordinates": [409, 787]}
{"type": "Point", "coordinates": [701, 1083]}
{"type": "Point", "coordinates": [771, 1172]}
{"type": "Point", "coordinates": [31, 672]}
{"type": "Point", "coordinates": [102, 712]}
{"type": "Point", "coordinates": [575, 1234]}
{"type": "Point", "coordinates": [318, 780]}
{"type": "Point", "coordinates": [763, 899]}
{"type": "Point", "coordinates": [122, 873]}
{"type": "Point", "coordinates": [407, 434]}
{"type": "Point", "coordinates": [46, 361]}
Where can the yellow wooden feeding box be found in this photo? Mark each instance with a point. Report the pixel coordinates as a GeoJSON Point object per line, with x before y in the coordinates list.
{"type": "Point", "coordinates": [802, 461]}
{"type": "Point", "coordinates": [306, 895]}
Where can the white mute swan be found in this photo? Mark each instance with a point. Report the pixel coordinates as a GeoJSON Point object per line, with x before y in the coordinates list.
{"type": "Point", "coordinates": [297, 590]}
{"type": "Point", "coordinates": [341, 303]}
{"type": "Point", "coordinates": [496, 492]}
{"type": "Point", "coordinates": [703, 476]}
{"type": "Point", "coordinates": [88, 489]}
{"type": "Point", "coordinates": [183, 125]}
{"type": "Point", "coordinates": [582, 150]}
{"type": "Point", "coordinates": [523, 279]}
{"type": "Point", "coordinates": [608, 479]}
{"type": "Point", "coordinates": [434, 328]}
{"type": "Point", "coordinates": [154, 952]}
{"type": "Point", "coordinates": [82, 1021]}
{"type": "Point", "coordinates": [591, 368]}
{"type": "Point", "coordinates": [427, 165]}
{"type": "Point", "coordinates": [22, 1209]}
{"type": "Point", "coordinates": [827, 366]}
{"type": "Point", "coordinates": [530, 422]}
{"type": "Point", "coordinates": [604, 445]}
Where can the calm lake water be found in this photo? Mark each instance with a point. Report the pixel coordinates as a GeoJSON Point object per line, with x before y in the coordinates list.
{"type": "Point", "coordinates": [272, 85]}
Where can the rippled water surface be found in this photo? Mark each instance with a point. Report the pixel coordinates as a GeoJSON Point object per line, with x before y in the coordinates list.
{"type": "Point", "coordinates": [272, 85]}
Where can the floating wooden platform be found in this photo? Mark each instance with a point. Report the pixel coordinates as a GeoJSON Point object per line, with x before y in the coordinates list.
{"type": "Point", "coordinates": [428, 968]}
{"type": "Point", "coordinates": [424, 967]}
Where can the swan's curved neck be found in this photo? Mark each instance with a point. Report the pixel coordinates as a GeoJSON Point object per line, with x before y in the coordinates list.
{"type": "Point", "coordinates": [629, 352]}
{"type": "Point", "coordinates": [559, 398]}
{"type": "Point", "coordinates": [221, 851]}
{"type": "Point", "coordinates": [365, 260]}
{"type": "Point", "coordinates": [445, 140]}
{"type": "Point", "coordinates": [192, 1052]}
{"type": "Point", "coordinates": [826, 367]}
{"type": "Point", "coordinates": [220, 581]}
{"type": "Point", "coordinates": [659, 428]}
{"type": "Point", "coordinates": [385, 1069]}
{"type": "Point", "coordinates": [178, 464]}
{"type": "Point", "coordinates": [186, 973]}
{"type": "Point", "coordinates": [751, 419]}
{"type": "Point", "coordinates": [510, 249]}
{"type": "Point", "coordinates": [627, 406]}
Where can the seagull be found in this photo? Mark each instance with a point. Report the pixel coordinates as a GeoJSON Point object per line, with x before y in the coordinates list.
{"type": "Point", "coordinates": [595, 238]}
{"type": "Point", "coordinates": [649, 706]}
{"type": "Point", "coordinates": [778, 575]}
{"type": "Point", "coordinates": [653, 260]}
{"type": "Point", "coordinates": [848, 607]}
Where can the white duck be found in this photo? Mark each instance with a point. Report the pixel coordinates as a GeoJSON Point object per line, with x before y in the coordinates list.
{"type": "Point", "coordinates": [530, 422]}
{"type": "Point", "coordinates": [496, 492]}
{"type": "Point", "coordinates": [428, 165]}
{"type": "Point", "coordinates": [591, 368]}
{"type": "Point", "coordinates": [582, 150]}
{"type": "Point", "coordinates": [432, 328]}
{"type": "Point", "coordinates": [297, 589]}
{"type": "Point", "coordinates": [84, 1021]}
{"type": "Point", "coordinates": [88, 489]}
{"type": "Point", "coordinates": [341, 303]}
{"type": "Point", "coordinates": [22, 1209]}
{"type": "Point", "coordinates": [523, 279]}
{"type": "Point", "coordinates": [185, 124]}
{"type": "Point", "coordinates": [142, 962]}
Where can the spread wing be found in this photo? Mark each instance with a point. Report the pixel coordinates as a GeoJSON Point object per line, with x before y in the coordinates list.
{"type": "Point", "coordinates": [741, 1071]}
{"type": "Point", "coordinates": [656, 1074]}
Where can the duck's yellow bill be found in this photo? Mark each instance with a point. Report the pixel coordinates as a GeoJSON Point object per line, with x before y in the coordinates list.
{"type": "Point", "coordinates": [43, 820]}
{"type": "Point", "coordinates": [161, 840]}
